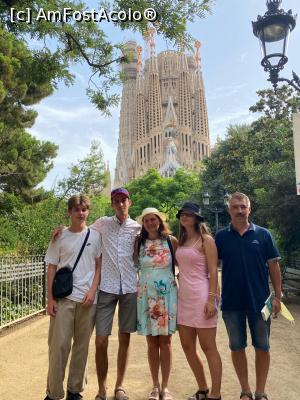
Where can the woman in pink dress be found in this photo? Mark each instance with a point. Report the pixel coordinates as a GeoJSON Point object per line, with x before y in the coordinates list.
{"type": "Point", "coordinates": [197, 299]}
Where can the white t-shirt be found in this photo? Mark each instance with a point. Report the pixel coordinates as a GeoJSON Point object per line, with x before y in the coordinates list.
{"type": "Point", "coordinates": [64, 251]}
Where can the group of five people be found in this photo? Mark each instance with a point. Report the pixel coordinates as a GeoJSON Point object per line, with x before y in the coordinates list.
{"type": "Point", "coordinates": [118, 251]}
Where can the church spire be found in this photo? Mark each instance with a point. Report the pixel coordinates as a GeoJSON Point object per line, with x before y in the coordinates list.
{"type": "Point", "coordinates": [197, 54]}
{"type": "Point", "coordinates": [139, 67]}
{"type": "Point", "coordinates": [185, 115]}
{"type": "Point", "coordinates": [198, 73]}
{"type": "Point", "coordinates": [140, 127]}
{"type": "Point", "coordinates": [155, 110]}
{"type": "Point", "coordinates": [153, 60]}
{"type": "Point", "coordinates": [200, 114]}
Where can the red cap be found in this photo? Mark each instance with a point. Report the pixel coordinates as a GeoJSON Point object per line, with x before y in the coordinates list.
{"type": "Point", "coordinates": [120, 190]}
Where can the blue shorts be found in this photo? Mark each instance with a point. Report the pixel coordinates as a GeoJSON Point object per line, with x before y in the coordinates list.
{"type": "Point", "coordinates": [235, 322]}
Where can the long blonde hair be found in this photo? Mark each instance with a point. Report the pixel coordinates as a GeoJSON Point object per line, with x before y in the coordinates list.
{"type": "Point", "coordinates": [200, 227]}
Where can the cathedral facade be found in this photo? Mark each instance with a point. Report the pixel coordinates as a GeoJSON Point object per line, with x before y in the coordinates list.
{"type": "Point", "coordinates": [163, 118]}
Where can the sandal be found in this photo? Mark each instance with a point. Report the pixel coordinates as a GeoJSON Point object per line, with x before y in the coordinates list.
{"type": "Point", "coordinates": [166, 395]}
{"type": "Point", "coordinates": [122, 396]}
{"type": "Point", "coordinates": [248, 394]}
{"type": "Point", "coordinates": [101, 397]}
{"type": "Point", "coordinates": [199, 395]}
{"type": "Point", "coordinates": [260, 396]}
{"type": "Point", "coordinates": [154, 394]}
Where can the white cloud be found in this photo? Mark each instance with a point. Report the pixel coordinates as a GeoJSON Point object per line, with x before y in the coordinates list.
{"type": "Point", "coordinates": [73, 128]}
{"type": "Point", "coordinates": [218, 125]}
{"type": "Point", "coordinates": [222, 92]}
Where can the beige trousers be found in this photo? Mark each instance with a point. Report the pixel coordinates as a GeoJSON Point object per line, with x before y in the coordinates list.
{"type": "Point", "coordinates": [72, 321]}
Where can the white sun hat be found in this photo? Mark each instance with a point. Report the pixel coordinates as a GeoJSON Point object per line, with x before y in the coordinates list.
{"type": "Point", "coordinates": [151, 210]}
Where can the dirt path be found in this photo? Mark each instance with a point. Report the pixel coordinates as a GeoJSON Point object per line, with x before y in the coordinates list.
{"type": "Point", "coordinates": [23, 364]}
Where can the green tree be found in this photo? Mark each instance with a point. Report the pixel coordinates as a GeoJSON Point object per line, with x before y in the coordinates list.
{"type": "Point", "coordinates": [277, 105]}
{"type": "Point", "coordinates": [34, 224]}
{"type": "Point", "coordinates": [26, 228]}
{"type": "Point", "coordinates": [24, 160]}
{"type": "Point", "coordinates": [26, 77]}
{"type": "Point", "coordinates": [258, 159]}
{"type": "Point", "coordinates": [88, 176]}
{"type": "Point", "coordinates": [166, 194]}
{"type": "Point", "coordinates": [100, 206]}
{"type": "Point", "coordinates": [9, 236]}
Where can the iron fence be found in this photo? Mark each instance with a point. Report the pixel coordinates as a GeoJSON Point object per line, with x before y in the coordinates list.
{"type": "Point", "coordinates": [22, 288]}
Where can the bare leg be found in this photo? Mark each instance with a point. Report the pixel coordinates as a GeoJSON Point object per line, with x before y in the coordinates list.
{"type": "Point", "coordinates": [153, 358]}
{"type": "Point", "coordinates": [101, 362]}
{"type": "Point", "coordinates": [123, 352]}
{"type": "Point", "coordinates": [207, 340]}
{"type": "Point", "coordinates": [165, 359]}
{"type": "Point", "coordinates": [262, 364]}
{"type": "Point", "coordinates": [188, 338]}
{"type": "Point", "coordinates": [240, 364]}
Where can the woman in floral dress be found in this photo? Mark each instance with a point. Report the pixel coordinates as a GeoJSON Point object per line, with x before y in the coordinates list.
{"type": "Point", "coordinates": [157, 296]}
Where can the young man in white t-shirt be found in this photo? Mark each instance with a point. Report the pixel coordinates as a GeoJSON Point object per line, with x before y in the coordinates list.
{"type": "Point", "coordinates": [72, 317]}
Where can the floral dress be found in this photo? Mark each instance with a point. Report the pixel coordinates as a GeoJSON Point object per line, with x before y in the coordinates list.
{"type": "Point", "coordinates": [157, 290]}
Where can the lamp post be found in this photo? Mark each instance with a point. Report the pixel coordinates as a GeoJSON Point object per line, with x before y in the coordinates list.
{"type": "Point", "coordinates": [273, 30]}
{"type": "Point", "coordinates": [215, 208]}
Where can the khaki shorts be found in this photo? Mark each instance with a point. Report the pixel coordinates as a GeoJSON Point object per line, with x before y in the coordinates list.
{"type": "Point", "coordinates": [106, 307]}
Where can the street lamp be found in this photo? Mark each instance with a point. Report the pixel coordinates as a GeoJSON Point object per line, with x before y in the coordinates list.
{"type": "Point", "coordinates": [215, 208]}
{"type": "Point", "coordinates": [273, 30]}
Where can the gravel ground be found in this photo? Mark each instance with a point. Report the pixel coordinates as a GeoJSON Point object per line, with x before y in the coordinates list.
{"type": "Point", "coordinates": [23, 363]}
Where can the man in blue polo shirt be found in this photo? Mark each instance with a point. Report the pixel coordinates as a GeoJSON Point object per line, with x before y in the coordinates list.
{"type": "Point", "coordinates": [249, 256]}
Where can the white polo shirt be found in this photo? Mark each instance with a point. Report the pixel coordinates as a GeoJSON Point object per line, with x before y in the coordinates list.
{"type": "Point", "coordinates": [118, 272]}
{"type": "Point", "coordinates": [64, 251]}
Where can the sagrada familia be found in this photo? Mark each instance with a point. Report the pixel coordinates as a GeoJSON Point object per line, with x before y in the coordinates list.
{"type": "Point", "coordinates": [163, 119]}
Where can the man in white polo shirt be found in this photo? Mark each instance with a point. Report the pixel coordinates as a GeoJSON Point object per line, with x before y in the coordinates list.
{"type": "Point", "coordinates": [118, 285]}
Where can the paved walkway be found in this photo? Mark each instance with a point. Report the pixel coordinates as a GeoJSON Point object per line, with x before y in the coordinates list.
{"type": "Point", "coordinates": [23, 363]}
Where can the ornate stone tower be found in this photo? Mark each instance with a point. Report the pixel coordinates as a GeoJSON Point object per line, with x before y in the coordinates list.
{"type": "Point", "coordinates": [163, 119]}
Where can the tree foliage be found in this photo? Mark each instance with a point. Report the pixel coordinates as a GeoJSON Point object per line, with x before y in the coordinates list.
{"type": "Point", "coordinates": [24, 160]}
{"type": "Point", "coordinates": [277, 105]}
{"type": "Point", "coordinates": [26, 228]}
{"type": "Point", "coordinates": [26, 77]}
{"type": "Point", "coordinates": [258, 159]}
{"type": "Point", "coordinates": [166, 194]}
{"type": "Point", "coordinates": [88, 176]}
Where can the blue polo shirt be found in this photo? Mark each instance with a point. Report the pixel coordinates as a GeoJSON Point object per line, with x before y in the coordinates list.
{"type": "Point", "coordinates": [245, 272]}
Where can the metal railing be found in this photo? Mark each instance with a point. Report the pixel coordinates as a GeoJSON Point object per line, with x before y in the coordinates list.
{"type": "Point", "coordinates": [22, 288]}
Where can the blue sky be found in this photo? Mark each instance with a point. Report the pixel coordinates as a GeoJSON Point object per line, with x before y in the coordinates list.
{"type": "Point", "coordinates": [231, 70]}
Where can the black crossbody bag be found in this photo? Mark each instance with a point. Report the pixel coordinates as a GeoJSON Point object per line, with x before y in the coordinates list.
{"type": "Point", "coordinates": [63, 279]}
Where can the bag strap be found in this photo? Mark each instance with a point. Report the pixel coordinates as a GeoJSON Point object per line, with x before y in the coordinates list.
{"type": "Point", "coordinates": [139, 243]}
{"type": "Point", "coordinates": [81, 250]}
{"type": "Point", "coordinates": [169, 241]}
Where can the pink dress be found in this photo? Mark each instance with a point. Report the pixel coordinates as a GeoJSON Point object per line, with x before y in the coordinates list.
{"type": "Point", "coordinates": [193, 288]}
